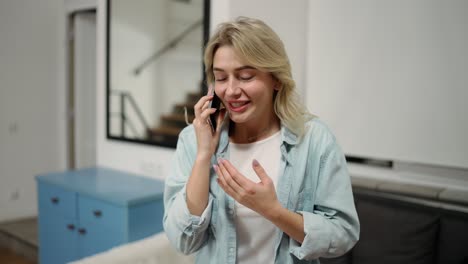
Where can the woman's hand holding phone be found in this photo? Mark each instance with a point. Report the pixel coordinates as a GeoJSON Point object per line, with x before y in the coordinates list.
{"type": "Point", "coordinates": [207, 141]}
{"type": "Point", "coordinates": [207, 124]}
{"type": "Point", "coordinates": [215, 103]}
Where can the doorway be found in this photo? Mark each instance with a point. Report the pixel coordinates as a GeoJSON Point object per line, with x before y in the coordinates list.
{"type": "Point", "coordinates": [81, 97]}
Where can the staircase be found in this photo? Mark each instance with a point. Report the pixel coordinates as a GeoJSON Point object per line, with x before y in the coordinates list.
{"type": "Point", "coordinates": [171, 124]}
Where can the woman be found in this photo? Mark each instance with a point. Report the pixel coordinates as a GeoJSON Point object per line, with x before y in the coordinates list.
{"type": "Point", "coordinates": [270, 184]}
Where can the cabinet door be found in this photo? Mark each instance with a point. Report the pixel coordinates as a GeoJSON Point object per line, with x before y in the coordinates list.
{"type": "Point", "coordinates": [102, 225]}
{"type": "Point", "coordinates": [57, 239]}
{"type": "Point", "coordinates": [57, 225]}
{"type": "Point", "coordinates": [56, 201]}
{"type": "Point", "coordinates": [97, 238]}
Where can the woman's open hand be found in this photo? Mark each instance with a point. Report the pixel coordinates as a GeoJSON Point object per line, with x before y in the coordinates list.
{"type": "Point", "coordinates": [260, 197]}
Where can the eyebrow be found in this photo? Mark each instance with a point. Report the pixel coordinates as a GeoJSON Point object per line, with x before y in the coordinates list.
{"type": "Point", "coordinates": [246, 67]}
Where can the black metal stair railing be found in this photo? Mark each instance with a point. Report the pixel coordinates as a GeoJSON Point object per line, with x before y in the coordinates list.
{"type": "Point", "coordinates": [123, 114]}
{"type": "Point", "coordinates": [170, 45]}
{"type": "Point", "coordinates": [167, 133]}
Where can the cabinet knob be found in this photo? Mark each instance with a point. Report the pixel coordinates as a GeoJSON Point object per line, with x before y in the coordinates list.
{"type": "Point", "coordinates": [71, 227]}
{"type": "Point", "coordinates": [82, 231]}
{"type": "Point", "coordinates": [55, 200]}
{"type": "Point", "coordinates": [97, 213]}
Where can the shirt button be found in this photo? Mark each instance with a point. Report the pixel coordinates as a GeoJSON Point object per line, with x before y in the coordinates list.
{"type": "Point", "coordinates": [231, 250]}
{"type": "Point", "coordinates": [231, 211]}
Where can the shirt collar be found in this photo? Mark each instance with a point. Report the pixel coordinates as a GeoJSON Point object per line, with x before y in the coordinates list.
{"type": "Point", "coordinates": [288, 138]}
{"type": "Point", "coordinates": [223, 138]}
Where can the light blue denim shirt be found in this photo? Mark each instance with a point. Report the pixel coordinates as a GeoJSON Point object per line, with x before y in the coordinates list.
{"type": "Point", "coordinates": [313, 181]}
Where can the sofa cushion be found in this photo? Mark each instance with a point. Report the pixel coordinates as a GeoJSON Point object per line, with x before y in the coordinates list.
{"type": "Point", "coordinates": [395, 232]}
{"type": "Point", "coordinates": [453, 240]}
{"type": "Point", "coordinates": [345, 259]}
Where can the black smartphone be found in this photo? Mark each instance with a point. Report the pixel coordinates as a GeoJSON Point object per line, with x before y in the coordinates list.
{"type": "Point", "coordinates": [215, 103]}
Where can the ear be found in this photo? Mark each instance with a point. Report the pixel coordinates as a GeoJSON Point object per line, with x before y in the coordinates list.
{"type": "Point", "coordinates": [277, 84]}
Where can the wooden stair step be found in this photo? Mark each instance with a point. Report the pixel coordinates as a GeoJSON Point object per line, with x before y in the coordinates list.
{"type": "Point", "coordinates": [166, 135]}
{"type": "Point", "coordinates": [176, 120]}
{"type": "Point", "coordinates": [166, 130]}
{"type": "Point", "coordinates": [178, 117]}
{"type": "Point", "coordinates": [179, 108]}
{"type": "Point", "coordinates": [193, 97]}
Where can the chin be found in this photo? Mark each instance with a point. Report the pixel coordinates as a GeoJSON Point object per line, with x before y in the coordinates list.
{"type": "Point", "coordinates": [236, 118]}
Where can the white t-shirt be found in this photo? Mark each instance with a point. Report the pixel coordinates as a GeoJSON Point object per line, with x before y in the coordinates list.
{"type": "Point", "coordinates": [256, 243]}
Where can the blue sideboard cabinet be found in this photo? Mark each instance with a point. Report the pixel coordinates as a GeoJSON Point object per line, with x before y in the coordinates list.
{"type": "Point", "coordinates": [86, 211]}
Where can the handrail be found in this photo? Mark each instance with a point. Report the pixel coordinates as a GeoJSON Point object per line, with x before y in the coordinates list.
{"type": "Point", "coordinates": [123, 116]}
{"type": "Point", "coordinates": [137, 109]}
{"type": "Point", "coordinates": [170, 45]}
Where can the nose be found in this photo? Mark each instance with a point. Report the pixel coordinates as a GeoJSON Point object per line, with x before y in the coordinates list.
{"type": "Point", "coordinates": [232, 88]}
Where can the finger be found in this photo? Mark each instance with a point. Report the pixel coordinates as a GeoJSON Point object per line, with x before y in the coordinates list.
{"type": "Point", "coordinates": [206, 105]}
{"type": "Point", "coordinates": [240, 183]}
{"type": "Point", "coordinates": [261, 173]}
{"type": "Point", "coordinates": [203, 100]}
{"type": "Point", "coordinates": [220, 119]}
{"type": "Point", "coordinates": [199, 105]}
{"type": "Point", "coordinates": [207, 112]}
{"type": "Point", "coordinates": [204, 118]}
{"type": "Point", "coordinates": [218, 171]}
{"type": "Point", "coordinates": [221, 115]}
{"type": "Point", "coordinates": [228, 190]}
{"type": "Point", "coordinates": [222, 182]}
{"type": "Point", "coordinates": [229, 179]}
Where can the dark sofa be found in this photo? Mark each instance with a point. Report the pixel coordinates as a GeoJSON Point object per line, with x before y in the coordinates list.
{"type": "Point", "coordinates": [403, 223]}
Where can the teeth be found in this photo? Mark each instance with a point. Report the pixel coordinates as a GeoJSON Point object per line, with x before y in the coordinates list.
{"type": "Point", "coordinates": [237, 104]}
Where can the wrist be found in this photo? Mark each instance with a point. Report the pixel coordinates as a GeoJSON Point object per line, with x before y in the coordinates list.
{"type": "Point", "coordinates": [274, 213]}
{"type": "Point", "coordinates": [203, 157]}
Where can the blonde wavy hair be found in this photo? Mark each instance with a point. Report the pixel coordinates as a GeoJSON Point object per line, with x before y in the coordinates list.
{"type": "Point", "coordinates": [257, 44]}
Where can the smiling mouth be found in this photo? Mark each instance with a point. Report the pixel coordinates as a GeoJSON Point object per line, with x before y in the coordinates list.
{"type": "Point", "coordinates": [238, 106]}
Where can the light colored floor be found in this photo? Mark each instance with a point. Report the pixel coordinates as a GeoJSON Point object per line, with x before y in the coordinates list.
{"type": "Point", "coordinates": [18, 241]}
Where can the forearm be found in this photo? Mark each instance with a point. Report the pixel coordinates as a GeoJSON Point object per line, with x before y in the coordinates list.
{"type": "Point", "coordinates": [289, 222]}
{"type": "Point", "coordinates": [198, 186]}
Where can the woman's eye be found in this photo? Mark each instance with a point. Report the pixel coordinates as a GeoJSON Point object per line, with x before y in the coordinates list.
{"type": "Point", "coordinates": [246, 78]}
{"type": "Point", "coordinates": [220, 79]}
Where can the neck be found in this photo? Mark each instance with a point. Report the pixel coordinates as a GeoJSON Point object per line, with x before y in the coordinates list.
{"type": "Point", "coordinates": [241, 133]}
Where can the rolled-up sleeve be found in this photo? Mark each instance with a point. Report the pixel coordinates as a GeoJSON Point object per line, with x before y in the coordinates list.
{"type": "Point", "coordinates": [186, 232]}
{"type": "Point", "coordinates": [332, 227]}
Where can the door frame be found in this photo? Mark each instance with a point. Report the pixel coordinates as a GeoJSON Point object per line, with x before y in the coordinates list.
{"type": "Point", "coordinates": [72, 7]}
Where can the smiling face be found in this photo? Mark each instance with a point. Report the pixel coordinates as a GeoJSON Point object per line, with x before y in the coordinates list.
{"type": "Point", "coordinates": [246, 92]}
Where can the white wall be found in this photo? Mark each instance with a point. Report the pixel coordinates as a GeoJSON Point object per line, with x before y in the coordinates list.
{"type": "Point", "coordinates": [84, 88]}
{"type": "Point", "coordinates": [289, 21]}
{"type": "Point", "coordinates": [32, 115]}
{"type": "Point", "coordinates": [389, 77]}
